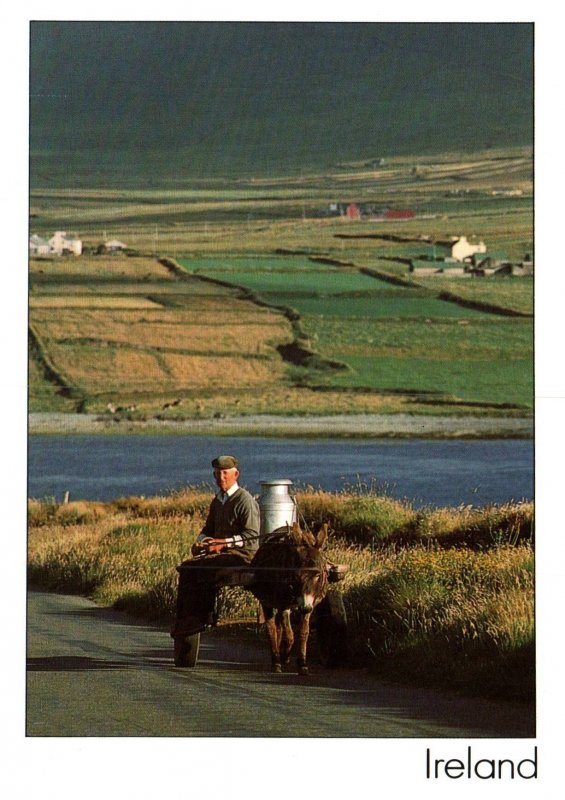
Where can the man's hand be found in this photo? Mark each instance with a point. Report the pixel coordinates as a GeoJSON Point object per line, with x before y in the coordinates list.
{"type": "Point", "coordinates": [208, 545]}
{"type": "Point", "coordinates": [215, 545]}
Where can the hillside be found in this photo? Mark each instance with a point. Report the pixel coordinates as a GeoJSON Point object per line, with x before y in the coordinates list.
{"type": "Point", "coordinates": [158, 103]}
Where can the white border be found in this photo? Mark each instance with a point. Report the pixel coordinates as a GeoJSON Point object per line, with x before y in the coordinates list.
{"type": "Point", "coordinates": [70, 768]}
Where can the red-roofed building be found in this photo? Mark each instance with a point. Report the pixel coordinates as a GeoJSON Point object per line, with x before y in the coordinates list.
{"type": "Point", "coordinates": [353, 211]}
{"type": "Point", "coordinates": [399, 213]}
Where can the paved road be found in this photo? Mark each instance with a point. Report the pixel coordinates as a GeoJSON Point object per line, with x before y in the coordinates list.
{"type": "Point", "coordinates": [95, 672]}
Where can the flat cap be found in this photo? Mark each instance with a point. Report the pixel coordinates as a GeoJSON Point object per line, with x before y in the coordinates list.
{"type": "Point", "coordinates": [225, 462]}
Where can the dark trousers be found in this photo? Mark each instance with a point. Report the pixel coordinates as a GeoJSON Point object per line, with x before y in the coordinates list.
{"type": "Point", "coordinates": [197, 588]}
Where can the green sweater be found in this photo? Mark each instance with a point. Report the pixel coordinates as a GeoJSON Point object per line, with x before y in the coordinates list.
{"type": "Point", "coordinates": [238, 517]}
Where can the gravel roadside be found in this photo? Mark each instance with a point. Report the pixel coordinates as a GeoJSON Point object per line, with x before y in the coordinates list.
{"type": "Point", "coordinates": [368, 425]}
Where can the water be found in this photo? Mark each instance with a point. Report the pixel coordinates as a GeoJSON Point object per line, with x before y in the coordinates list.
{"type": "Point", "coordinates": [427, 473]}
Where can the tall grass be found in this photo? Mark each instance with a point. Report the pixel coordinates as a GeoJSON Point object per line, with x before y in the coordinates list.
{"type": "Point", "coordinates": [363, 516]}
{"type": "Point", "coordinates": [454, 617]}
{"type": "Point", "coordinates": [440, 596]}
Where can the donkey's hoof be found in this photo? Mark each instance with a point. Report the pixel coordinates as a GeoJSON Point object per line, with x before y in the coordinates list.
{"type": "Point", "coordinates": [303, 671]}
{"type": "Point", "coordinates": [277, 668]}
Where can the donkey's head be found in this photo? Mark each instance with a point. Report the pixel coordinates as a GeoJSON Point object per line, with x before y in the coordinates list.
{"type": "Point", "coordinates": [311, 578]}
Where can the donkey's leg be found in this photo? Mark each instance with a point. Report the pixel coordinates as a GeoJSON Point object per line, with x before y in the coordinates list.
{"type": "Point", "coordinates": [273, 637]}
{"type": "Point", "coordinates": [288, 637]}
{"type": "Point", "coordinates": [303, 633]}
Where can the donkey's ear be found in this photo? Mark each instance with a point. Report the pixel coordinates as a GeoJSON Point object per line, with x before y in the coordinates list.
{"type": "Point", "coordinates": [296, 533]}
{"type": "Point", "coordinates": [308, 538]}
{"type": "Point", "coordinates": [322, 536]}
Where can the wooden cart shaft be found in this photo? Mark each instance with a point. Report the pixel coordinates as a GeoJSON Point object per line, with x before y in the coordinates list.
{"type": "Point", "coordinates": [246, 575]}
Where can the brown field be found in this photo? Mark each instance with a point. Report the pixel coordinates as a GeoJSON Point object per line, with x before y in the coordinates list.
{"type": "Point", "coordinates": [241, 338]}
{"type": "Point", "coordinates": [205, 312]}
{"type": "Point", "coordinates": [90, 301]}
{"type": "Point", "coordinates": [101, 267]}
{"type": "Point", "coordinates": [92, 369]}
{"type": "Point", "coordinates": [129, 349]}
{"type": "Point", "coordinates": [171, 331]}
{"type": "Point", "coordinates": [221, 372]}
{"type": "Point", "coordinates": [127, 371]}
{"type": "Point", "coordinates": [111, 288]}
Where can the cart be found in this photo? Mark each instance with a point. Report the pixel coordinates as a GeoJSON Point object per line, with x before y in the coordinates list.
{"type": "Point", "coordinates": [329, 618]}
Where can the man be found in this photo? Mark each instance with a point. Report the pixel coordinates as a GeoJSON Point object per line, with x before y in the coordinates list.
{"type": "Point", "coordinates": [230, 537]}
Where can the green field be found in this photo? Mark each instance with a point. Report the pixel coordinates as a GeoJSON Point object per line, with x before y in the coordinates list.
{"type": "Point", "coordinates": [376, 307]}
{"type": "Point", "coordinates": [483, 361]}
{"type": "Point", "coordinates": [315, 281]}
{"type": "Point", "coordinates": [475, 381]}
{"type": "Point", "coordinates": [401, 339]}
{"type": "Point", "coordinates": [262, 264]}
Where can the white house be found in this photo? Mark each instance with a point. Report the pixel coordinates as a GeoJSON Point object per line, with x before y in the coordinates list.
{"type": "Point", "coordinates": [114, 245]}
{"type": "Point", "coordinates": [462, 249]}
{"type": "Point", "coordinates": [61, 243]}
{"type": "Point", "coordinates": [38, 246]}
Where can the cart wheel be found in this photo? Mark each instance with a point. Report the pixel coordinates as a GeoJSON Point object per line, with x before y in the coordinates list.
{"type": "Point", "coordinates": [331, 629]}
{"type": "Point", "coordinates": [186, 650]}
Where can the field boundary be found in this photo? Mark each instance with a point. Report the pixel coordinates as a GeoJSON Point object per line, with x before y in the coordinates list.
{"type": "Point", "coordinates": [446, 297]}
{"type": "Point", "coordinates": [396, 280]}
{"type": "Point", "coordinates": [52, 374]}
{"type": "Point", "coordinates": [335, 262]}
{"type": "Point", "coordinates": [299, 352]}
{"type": "Point", "coordinates": [478, 305]}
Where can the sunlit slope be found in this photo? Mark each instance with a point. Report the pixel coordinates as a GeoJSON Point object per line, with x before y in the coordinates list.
{"type": "Point", "coordinates": [123, 102]}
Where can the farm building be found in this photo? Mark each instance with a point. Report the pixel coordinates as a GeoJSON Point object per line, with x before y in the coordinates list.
{"type": "Point", "coordinates": [462, 249]}
{"type": "Point", "coordinates": [114, 245]}
{"type": "Point", "coordinates": [38, 246]}
{"type": "Point", "coordinates": [399, 213]}
{"type": "Point", "coordinates": [61, 243]}
{"type": "Point", "coordinates": [353, 211]}
{"type": "Point", "coordinates": [524, 269]}
{"type": "Point", "coordinates": [440, 268]}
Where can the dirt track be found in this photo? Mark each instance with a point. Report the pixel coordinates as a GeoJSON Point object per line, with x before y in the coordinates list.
{"type": "Point", "coordinates": [370, 425]}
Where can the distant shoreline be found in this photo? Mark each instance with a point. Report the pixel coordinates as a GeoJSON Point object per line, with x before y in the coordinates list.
{"type": "Point", "coordinates": [342, 426]}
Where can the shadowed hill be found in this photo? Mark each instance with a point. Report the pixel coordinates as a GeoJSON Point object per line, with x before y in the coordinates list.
{"type": "Point", "coordinates": [122, 101]}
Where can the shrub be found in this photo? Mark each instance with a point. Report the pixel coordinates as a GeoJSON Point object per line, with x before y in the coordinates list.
{"type": "Point", "coordinates": [512, 523]}
{"type": "Point", "coordinates": [43, 512]}
{"type": "Point", "coordinates": [190, 502]}
{"type": "Point", "coordinates": [364, 518]}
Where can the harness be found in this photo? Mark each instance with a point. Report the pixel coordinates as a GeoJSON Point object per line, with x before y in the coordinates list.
{"type": "Point", "coordinates": [288, 574]}
{"type": "Point", "coordinates": [264, 574]}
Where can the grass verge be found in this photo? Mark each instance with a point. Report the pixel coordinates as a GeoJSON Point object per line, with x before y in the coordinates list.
{"type": "Point", "coordinates": [439, 597]}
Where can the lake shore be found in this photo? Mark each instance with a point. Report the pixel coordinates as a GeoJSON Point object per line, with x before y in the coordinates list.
{"type": "Point", "coordinates": [354, 425]}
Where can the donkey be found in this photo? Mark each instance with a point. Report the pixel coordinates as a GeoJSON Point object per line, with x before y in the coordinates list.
{"type": "Point", "coordinates": [292, 574]}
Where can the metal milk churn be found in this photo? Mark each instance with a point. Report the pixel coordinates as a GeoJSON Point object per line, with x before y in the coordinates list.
{"type": "Point", "coordinates": [277, 505]}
